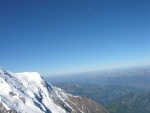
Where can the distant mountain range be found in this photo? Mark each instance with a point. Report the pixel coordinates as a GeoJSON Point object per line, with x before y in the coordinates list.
{"type": "Point", "coordinates": [111, 88]}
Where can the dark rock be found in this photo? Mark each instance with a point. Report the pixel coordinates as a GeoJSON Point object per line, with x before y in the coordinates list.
{"type": "Point", "coordinates": [12, 93]}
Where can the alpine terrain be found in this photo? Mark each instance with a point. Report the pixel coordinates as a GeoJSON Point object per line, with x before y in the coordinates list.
{"type": "Point", "coordinates": [28, 92]}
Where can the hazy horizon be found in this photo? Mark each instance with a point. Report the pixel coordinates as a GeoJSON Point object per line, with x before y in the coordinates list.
{"type": "Point", "coordinates": [119, 69]}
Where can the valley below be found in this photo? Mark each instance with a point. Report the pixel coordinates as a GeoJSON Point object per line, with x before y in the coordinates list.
{"type": "Point", "coordinates": [118, 92]}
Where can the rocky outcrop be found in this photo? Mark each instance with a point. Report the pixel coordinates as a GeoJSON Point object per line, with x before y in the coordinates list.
{"type": "Point", "coordinates": [4, 110]}
{"type": "Point", "coordinates": [84, 104]}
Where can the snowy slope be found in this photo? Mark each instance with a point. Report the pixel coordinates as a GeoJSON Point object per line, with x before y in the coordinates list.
{"type": "Point", "coordinates": [27, 92]}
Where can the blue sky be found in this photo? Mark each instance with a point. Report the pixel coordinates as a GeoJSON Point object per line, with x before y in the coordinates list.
{"type": "Point", "coordinates": [66, 36]}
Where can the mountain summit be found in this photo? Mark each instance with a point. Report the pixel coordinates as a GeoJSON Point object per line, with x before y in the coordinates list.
{"type": "Point", "coordinates": [28, 92]}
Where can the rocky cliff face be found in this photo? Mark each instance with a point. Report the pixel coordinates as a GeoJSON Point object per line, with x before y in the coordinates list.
{"type": "Point", "coordinates": [86, 105]}
{"type": "Point", "coordinates": [30, 93]}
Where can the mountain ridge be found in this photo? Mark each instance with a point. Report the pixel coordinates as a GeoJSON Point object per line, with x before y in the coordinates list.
{"type": "Point", "coordinates": [28, 92]}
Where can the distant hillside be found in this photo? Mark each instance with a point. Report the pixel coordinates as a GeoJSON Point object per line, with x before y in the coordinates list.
{"type": "Point", "coordinates": [136, 78]}
{"type": "Point", "coordinates": [105, 87]}
{"type": "Point", "coordinates": [120, 91]}
{"type": "Point", "coordinates": [133, 103]}
{"type": "Point", "coordinates": [102, 94]}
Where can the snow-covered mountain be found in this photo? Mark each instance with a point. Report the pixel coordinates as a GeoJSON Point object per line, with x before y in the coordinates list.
{"type": "Point", "coordinates": [28, 92]}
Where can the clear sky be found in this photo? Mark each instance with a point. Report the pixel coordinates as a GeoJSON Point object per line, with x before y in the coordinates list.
{"type": "Point", "coordinates": [65, 36]}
